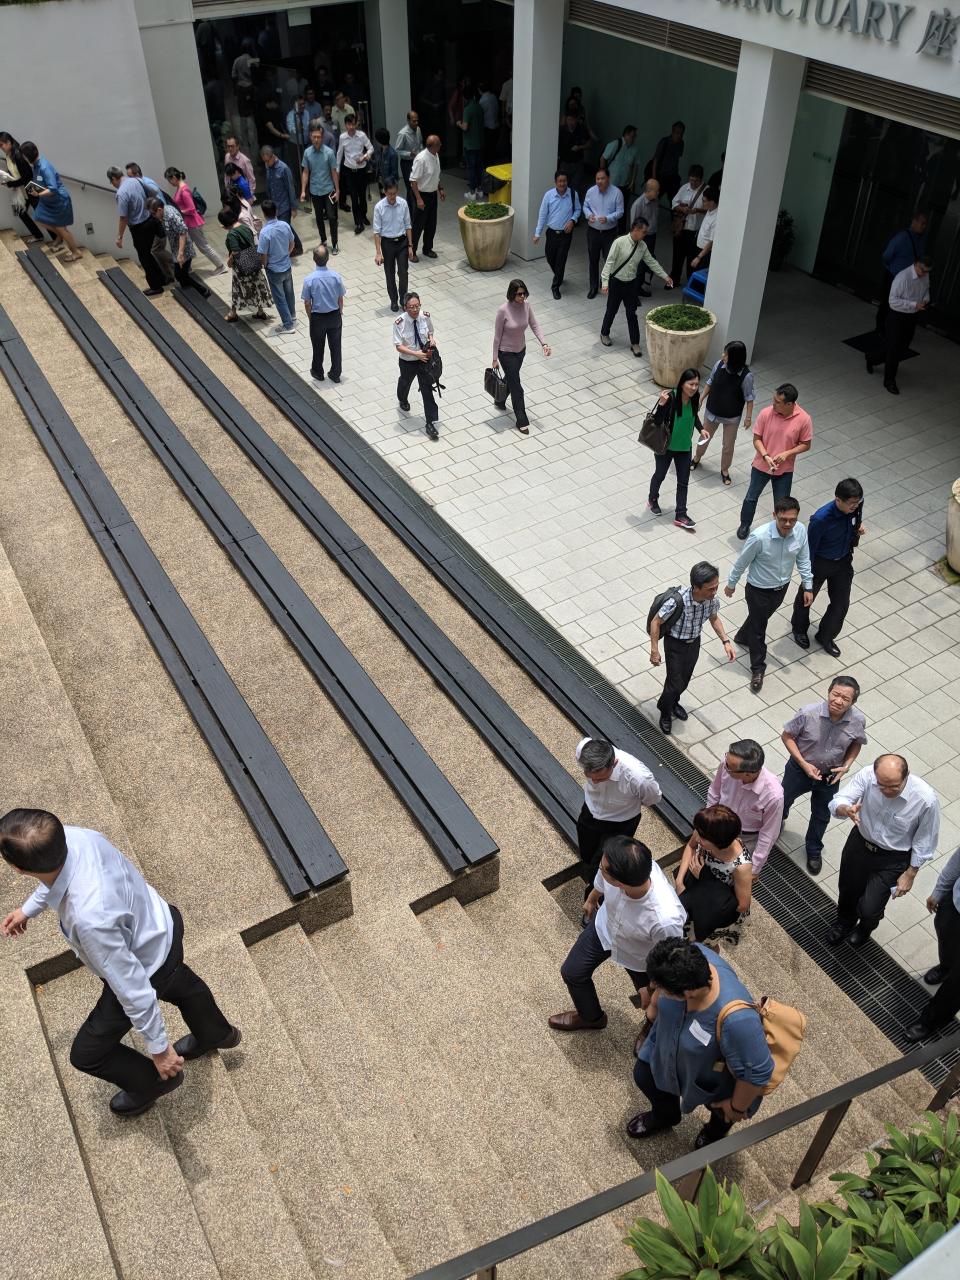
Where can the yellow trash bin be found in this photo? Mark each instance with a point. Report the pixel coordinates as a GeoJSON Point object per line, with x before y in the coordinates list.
{"type": "Point", "coordinates": [504, 175]}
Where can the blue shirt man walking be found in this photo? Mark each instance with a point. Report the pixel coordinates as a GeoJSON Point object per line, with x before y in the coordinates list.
{"type": "Point", "coordinates": [833, 532]}
{"type": "Point", "coordinates": [559, 213]}
{"type": "Point", "coordinates": [323, 293]}
{"type": "Point", "coordinates": [321, 176]}
{"type": "Point", "coordinates": [282, 191]}
{"type": "Point", "coordinates": [274, 247]}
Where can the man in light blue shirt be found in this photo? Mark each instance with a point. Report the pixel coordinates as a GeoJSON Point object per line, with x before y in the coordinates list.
{"type": "Point", "coordinates": [282, 191]}
{"type": "Point", "coordinates": [274, 247]}
{"type": "Point", "coordinates": [559, 211]}
{"type": "Point", "coordinates": [298, 123]}
{"type": "Point", "coordinates": [393, 241]}
{"type": "Point", "coordinates": [603, 209]}
{"type": "Point", "coordinates": [123, 931]}
{"type": "Point", "coordinates": [768, 557]}
{"type": "Point", "coordinates": [323, 293]}
{"type": "Point", "coordinates": [321, 175]}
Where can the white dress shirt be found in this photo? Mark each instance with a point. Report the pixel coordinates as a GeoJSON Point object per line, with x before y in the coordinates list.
{"type": "Point", "coordinates": [708, 229]}
{"type": "Point", "coordinates": [692, 196]}
{"type": "Point", "coordinates": [629, 928]}
{"type": "Point", "coordinates": [117, 924]}
{"type": "Point", "coordinates": [910, 820]}
{"type": "Point", "coordinates": [908, 291]}
{"type": "Point", "coordinates": [426, 171]}
{"type": "Point", "coordinates": [629, 786]}
{"type": "Point", "coordinates": [355, 151]}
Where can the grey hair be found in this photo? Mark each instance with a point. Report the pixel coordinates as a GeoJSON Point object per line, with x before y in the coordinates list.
{"type": "Point", "coordinates": [702, 573]}
{"type": "Point", "coordinates": [596, 755]}
{"type": "Point", "coordinates": [114, 172]}
{"type": "Point", "coordinates": [267, 151]}
{"type": "Point", "coordinates": [321, 255]}
{"type": "Point", "coordinates": [749, 753]}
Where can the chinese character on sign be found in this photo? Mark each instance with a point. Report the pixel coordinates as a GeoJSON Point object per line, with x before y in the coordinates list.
{"type": "Point", "coordinates": [940, 36]}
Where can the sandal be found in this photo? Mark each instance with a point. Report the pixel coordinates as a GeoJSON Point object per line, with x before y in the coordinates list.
{"type": "Point", "coordinates": [71, 257]}
{"type": "Point", "coordinates": [694, 463]}
{"type": "Point", "coordinates": [725, 477]}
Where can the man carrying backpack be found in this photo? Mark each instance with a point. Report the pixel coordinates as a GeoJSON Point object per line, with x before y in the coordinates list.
{"type": "Point", "coordinates": [679, 615]}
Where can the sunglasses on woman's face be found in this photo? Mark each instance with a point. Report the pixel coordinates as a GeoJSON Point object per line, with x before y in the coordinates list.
{"type": "Point", "coordinates": [521, 293]}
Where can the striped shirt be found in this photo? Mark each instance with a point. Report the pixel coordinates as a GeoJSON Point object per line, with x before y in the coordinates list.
{"type": "Point", "coordinates": [695, 614]}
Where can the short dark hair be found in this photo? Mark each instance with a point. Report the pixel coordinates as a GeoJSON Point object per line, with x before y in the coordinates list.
{"type": "Point", "coordinates": [349, 117]}
{"type": "Point", "coordinates": [155, 205]}
{"type": "Point", "coordinates": [268, 208]}
{"type": "Point", "coordinates": [718, 824]}
{"type": "Point", "coordinates": [788, 391]}
{"type": "Point", "coordinates": [639, 222]}
{"type": "Point", "coordinates": [230, 168]}
{"type": "Point", "coordinates": [137, 171]}
{"type": "Point", "coordinates": [628, 128]}
{"type": "Point", "coordinates": [628, 860]}
{"type": "Point", "coordinates": [227, 216]}
{"type": "Point", "coordinates": [560, 174]}
{"type": "Point", "coordinates": [678, 124]}
{"type": "Point", "coordinates": [678, 966]}
{"type": "Point", "coordinates": [712, 193]}
{"type": "Point", "coordinates": [30, 152]}
{"type": "Point", "coordinates": [702, 573]}
{"type": "Point", "coordinates": [513, 287]}
{"type": "Point", "coordinates": [848, 488]}
{"type": "Point", "coordinates": [33, 840]}
{"type": "Point", "coordinates": [390, 184]}
{"type": "Point", "coordinates": [696, 171]}
{"type": "Point", "coordinates": [786, 503]}
{"type": "Point", "coordinates": [411, 293]}
{"type": "Point", "coordinates": [749, 753]}
{"type": "Point", "coordinates": [383, 135]}
{"type": "Point", "coordinates": [846, 682]}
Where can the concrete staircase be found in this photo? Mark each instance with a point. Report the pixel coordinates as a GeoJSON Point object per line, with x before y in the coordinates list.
{"type": "Point", "coordinates": [398, 1096]}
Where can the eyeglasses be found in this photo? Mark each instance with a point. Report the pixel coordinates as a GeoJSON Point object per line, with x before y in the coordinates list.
{"type": "Point", "coordinates": [521, 293]}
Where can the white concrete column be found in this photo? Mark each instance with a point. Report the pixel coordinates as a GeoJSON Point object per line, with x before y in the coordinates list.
{"type": "Point", "coordinates": [388, 63]}
{"type": "Point", "coordinates": [758, 146]}
{"type": "Point", "coordinates": [537, 59]}
{"type": "Point", "coordinates": [173, 69]}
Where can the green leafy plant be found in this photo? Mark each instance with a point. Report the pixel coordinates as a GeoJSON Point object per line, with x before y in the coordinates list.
{"type": "Point", "coordinates": [784, 238]}
{"type": "Point", "coordinates": [484, 212]}
{"type": "Point", "coordinates": [681, 317]}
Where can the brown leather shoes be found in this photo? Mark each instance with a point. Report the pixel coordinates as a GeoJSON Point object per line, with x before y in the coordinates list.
{"type": "Point", "coordinates": [571, 1021]}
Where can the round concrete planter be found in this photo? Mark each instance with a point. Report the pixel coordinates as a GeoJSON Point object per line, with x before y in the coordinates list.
{"type": "Point", "coordinates": [953, 528]}
{"type": "Point", "coordinates": [486, 241]}
{"type": "Point", "coordinates": [670, 351]}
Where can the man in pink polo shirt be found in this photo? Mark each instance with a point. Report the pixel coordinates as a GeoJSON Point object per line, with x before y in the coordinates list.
{"type": "Point", "coordinates": [755, 795]}
{"type": "Point", "coordinates": [781, 432]}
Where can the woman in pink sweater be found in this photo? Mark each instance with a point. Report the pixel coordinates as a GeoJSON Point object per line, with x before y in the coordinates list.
{"type": "Point", "coordinates": [183, 199]}
{"type": "Point", "coordinates": [509, 344]}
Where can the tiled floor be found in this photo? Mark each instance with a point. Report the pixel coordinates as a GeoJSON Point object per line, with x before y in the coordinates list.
{"type": "Point", "coordinates": [561, 513]}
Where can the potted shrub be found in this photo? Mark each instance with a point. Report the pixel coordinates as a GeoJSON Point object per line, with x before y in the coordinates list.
{"type": "Point", "coordinates": [678, 338]}
{"type": "Point", "coordinates": [784, 238]}
{"type": "Point", "coordinates": [486, 230]}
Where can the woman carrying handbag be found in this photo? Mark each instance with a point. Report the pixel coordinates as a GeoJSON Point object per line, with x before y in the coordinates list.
{"type": "Point", "coordinates": [509, 346]}
{"type": "Point", "coordinates": [676, 412]}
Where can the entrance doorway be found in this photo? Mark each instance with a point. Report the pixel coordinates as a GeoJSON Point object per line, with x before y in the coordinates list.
{"type": "Point", "coordinates": [884, 172]}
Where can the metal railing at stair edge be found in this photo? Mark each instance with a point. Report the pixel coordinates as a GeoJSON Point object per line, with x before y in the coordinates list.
{"type": "Point", "coordinates": [686, 1172]}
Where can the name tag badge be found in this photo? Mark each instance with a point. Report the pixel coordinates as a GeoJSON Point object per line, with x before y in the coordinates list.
{"type": "Point", "coordinates": [698, 1033]}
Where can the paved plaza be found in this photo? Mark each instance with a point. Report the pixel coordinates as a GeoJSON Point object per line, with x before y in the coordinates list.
{"type": "Point", "coordinates": [561, 513]}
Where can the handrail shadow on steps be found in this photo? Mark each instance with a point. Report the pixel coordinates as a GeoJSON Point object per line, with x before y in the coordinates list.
{"type": "Point", "coordinates": [686, 1172]}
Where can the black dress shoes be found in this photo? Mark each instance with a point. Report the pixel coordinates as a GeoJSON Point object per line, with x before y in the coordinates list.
{"type": "Point", "coordinates": [858, 937]}
{"type": "Point", "coordinates": [404, 405]}
{"type": "Point", "coordinates": [189, 1047]}
{"type": "Point", "coordinates": [919, 1031]}
{"type": "Point", "coordinates": [666, 724]}
{"type": "Point", "coordinates": [593, 293]}
{"type": "Point", "coordinates": [828, 646]}
{"type": "Point", "coordinates": [556, 292]}
{"type": "Point", "coordinates": [429, 253]}
{"type": "Point", "coordinates": [870, 365]}
{"type": "Point", "coordinates": [756, 681]}
{"type": "Point", "coordinates": [837, 934]}
{"type": "Point", "coordinates": [127, 1105]}
{"type": "Point", "coordinates": [892, 388]}
{"type": "Point", "coordinates": [814, 865]}
{"type": "Point", "coordinates": [680, 713]}
{"type": "Point", "coordinates": [743, 533]}
{"type": "Point", "coordinates": [933, 977]}
{"type": "Point", "coordinates": [801, 639]}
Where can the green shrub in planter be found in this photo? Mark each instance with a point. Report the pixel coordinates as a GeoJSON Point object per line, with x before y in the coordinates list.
{"type": "Point", "coordinates": [483, 211]}
{"type": "Point", "coordinates": [681, 317]}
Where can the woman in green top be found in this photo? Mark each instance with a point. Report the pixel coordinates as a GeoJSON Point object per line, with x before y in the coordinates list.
{"type": "Point", "coordinates": [250, 288]}
{"type": "Point", "coordinates": [677, 409]}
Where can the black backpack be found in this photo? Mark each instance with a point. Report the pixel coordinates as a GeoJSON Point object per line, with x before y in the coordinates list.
{"type": "Point", "coordinates": [675, 616]}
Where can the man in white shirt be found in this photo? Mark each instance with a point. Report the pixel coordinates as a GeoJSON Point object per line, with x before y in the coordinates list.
{"type": "Point", "coordinates": [427, 188]}
{"type": "Point", "coordinates": [353, 152]}
{"type": "Point", "coordinates": [896, 819]}
{"type": "Point", "coordinates": [688, 209]}
{"type": "Point", "coordinates": [909, 295]}
{"type": "Point", "coordinates": [707, 235]}
{"type": "Point", "coordinates": [615, 787]}
{"type": "Point", "coordinates": [631, 908]}
{"type": "Point", "coordinates": [126, 934]}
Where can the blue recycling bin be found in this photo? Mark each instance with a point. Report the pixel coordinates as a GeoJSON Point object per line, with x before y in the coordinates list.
{"type": "Point", "coordinates": [695, 289]}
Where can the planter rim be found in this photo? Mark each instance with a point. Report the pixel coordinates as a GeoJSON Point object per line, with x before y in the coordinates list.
{"type": "Point", "coordinates": [689, 332]}
{"type": "Point", "coordinates": [462, 213]}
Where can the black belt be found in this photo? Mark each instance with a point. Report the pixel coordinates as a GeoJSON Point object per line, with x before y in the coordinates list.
{"type": "Point", "coordinates": [394, 239]}
{"type": "Point", "coordinates": [877, 848]}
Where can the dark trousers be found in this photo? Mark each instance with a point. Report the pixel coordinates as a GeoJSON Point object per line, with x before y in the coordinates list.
{"type": "Point", "coordinates": [186, 281]}
{"type": "Point", "coordinates": [899, 329]}
{"type": "Point", "coordinates": [758, 482]}
{"type": "Point", "coordinates": [665, 1107]}
{"type": "Point", "coordinates": [405, 167]}
{"type": "Point", "coordinates": [710, 903]}
{"type": "Point", "coordinates": [796, 783]}
{"type": "Point", "coordinates": [681, 461]}
{"type": "Point", "coordinates": [143, 235]}
{"type": "Point", "coordinates": [591, 833]}
{"type": "Point", "coordinates": [326, 207]}
{"type": "Point", "coordinates": [762, 604]}
{"type": "Point", "coordinates": [297, 249]}
{"type": "Point", "coordinates": [838, 575]}
{"type": "Point", "coordinates": [557, 247]}
{"type": "Point", "coordinates": [627, 292]}
{"type": "Point", "coordinates": [946, 1003]}
{"type": "Point", "coordinates": [326, 327]}
{"type": "Point", "coordinates": [474, 161]}
{"type": "Point", "coordinates": [586, 956]}
{"type": "Point", "coordinates": [395, 261]}
{"type": "Point", "coordinates": [681, 658]}
{"type": "Point", "coordinates": [410, 369]}
{"type": "Point", "coordinates": [511, 362]}
{"type": "Point", "coordinates": [866, 878]}
{"type": "Point", "coordinates": [684, 250]}
{"type": "Point", "coordinates": [598, 246]}
{"type": "Point", "coordinates": [425, 220]}
{"type": "Point", "coordinates": [355, 181]}
{"type": "Point", "coordinates": [96, 1048]}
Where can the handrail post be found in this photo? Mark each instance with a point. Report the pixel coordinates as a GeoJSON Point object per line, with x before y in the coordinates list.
{"type": "Point", "coordinates": [818, 1147]}
{"type": "Point", "coordinates": [687, 1187]}
{"type": "Point", "coordinates": [945, 1092]}
{"type": "Point", "coordinates": [488, 1273]}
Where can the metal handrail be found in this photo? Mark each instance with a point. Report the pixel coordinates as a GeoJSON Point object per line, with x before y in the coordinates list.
{"type": "Point", "coordinates": [686, 1172]}
{"type": "Point", "coordinates": [85, 182]}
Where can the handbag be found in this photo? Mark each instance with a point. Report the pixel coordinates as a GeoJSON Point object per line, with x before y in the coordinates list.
{"type": "Point", "coordinates": [657, 429]}
{"type": "Point", "coordinates": [784, 1028]}
{"type": "Point", "coordinates": [495, 385]}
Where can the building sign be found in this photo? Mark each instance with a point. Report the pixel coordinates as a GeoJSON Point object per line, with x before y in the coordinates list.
{"type": "Point", "coordinates": [936, 35]}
